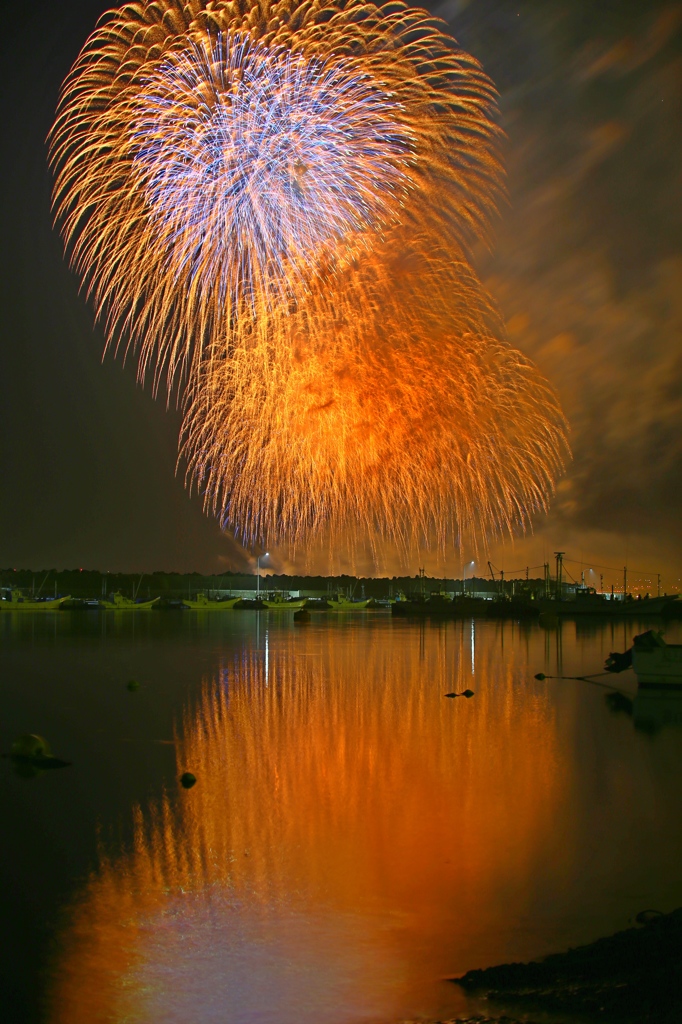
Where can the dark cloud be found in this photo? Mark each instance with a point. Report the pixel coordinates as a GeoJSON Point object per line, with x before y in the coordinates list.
{"type": "Point", "coordinates": [588, 263]}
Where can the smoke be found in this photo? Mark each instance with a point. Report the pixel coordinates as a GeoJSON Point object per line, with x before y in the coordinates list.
{"type": "Point", "coordinates": [588, 262]}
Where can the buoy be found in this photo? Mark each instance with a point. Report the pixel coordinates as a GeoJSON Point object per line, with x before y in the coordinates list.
{"type": "Point", "coordinates": [464, 693]}
{"type": "Point", "coordinates": [132, 685]}
{"type": "Point", "coordinates": [302, 615]}
{"type": "Point", "coordinates": [540, 676]}
{"type": "Point", "coordinates": [187, 780]}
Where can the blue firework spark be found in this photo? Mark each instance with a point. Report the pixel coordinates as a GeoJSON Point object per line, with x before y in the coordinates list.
{"type": "Point", "coordinates": [260, 164]}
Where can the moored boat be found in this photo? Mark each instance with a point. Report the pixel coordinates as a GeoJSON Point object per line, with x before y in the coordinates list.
{"type": "Point", "coordinates": [465, 607]}
{"type": "Point", "coordinates": [205, 604]}
{"type": "Point", "coordinates": [345, 604]}
{"type": "Point", "coordinates": [16, 602]}
{"type": "Point", "coordinates": [657, 665]}
{"type": "Point", "coordinates": [121, 603]}
{"type": "Point", "coordinates": [280, 602]}
{"type": "Point", "coordinates": [589, 602]}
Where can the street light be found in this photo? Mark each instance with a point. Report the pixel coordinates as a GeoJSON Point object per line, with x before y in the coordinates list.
{"type": "Point", "coordinates": [258, 573]}
{"type": "Point", "coordinates": [464, 576]}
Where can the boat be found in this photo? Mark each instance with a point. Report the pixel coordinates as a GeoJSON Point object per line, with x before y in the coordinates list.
{"type": "Point", "coordinates": [346, 604]}
{"type": "Point", "coordinates": [205, 604]}
{"type": "Point", "coordinates": [588, 602]}
{"type": "Point", "coordinates": [465, 607]}
{"type": "Point", "coordinates": [317, 604]}
{"type": "Point", "coordinates": [16, 602]}
{"type": "Point", "coordinates": [388, 602]}
{"type": "Point", "coordinates": [280, 603]}
{"type": "Point", "coordinates": [657, 665]}
{"type": "Point", "coordinates": [126, 604]}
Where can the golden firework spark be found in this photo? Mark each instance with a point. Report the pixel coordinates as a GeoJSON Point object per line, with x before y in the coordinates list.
{"type": "Point", "coordinates": [275, 204]}
{"type": "Point", "coordinates": [412, 423]}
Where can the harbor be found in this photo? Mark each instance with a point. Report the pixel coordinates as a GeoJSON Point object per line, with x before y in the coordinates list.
{"type": "Point", "coordinates": [545, 592]}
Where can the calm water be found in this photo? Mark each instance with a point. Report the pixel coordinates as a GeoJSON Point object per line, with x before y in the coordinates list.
{"type": "Point", "coordinates": [354, 838]}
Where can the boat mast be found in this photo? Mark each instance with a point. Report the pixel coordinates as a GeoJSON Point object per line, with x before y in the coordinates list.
{"type": "Point", "coordinates": [559, 572]}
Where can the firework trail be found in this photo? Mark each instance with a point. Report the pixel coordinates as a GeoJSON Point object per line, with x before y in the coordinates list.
{"type": "Point", "coordinates": [274, 205]}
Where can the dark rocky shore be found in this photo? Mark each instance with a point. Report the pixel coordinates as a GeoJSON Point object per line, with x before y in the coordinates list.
{"type": "Point", "coordinates": [632, 977]}
{"type": "Point", "coordinates": [477, 1020]}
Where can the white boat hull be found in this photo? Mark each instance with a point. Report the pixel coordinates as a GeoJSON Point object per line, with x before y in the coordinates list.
{"type": "Point", "coordinates": [660, 667]}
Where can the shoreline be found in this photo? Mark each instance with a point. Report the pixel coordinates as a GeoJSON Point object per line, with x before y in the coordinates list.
{"type": "Point", "coordinates": [631, 977]}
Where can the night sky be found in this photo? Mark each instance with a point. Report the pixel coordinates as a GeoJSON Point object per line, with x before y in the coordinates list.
{"type": "Point", "coordinates": [587, 271]}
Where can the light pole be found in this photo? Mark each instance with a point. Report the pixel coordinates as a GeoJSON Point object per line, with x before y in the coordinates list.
{"type": "Point", "coordinates": [464, 577]}
{"type": "Point", "coordinates": [258, 574]}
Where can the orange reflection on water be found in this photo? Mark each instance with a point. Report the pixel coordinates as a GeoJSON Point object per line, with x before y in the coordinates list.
{"type": "Point", "coordinates": [348, 824]}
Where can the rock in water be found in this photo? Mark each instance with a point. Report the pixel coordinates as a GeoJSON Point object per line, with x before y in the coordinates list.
{"type": "Point", "coordinates": [30, 745]}
{"type": "Point", "coordinates": [31, 756]}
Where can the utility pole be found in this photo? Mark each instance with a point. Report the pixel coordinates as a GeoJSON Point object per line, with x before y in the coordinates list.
{"type": "Point", "coordinates": [625, 581]}
{"type": "Point", "coordinates": [559, 572]}
{"type": "Point", "coordinates": [659, 584]}
{"type": "Point", "coordinates": [547, 587]}
{"type": "Point", "coordinates": [601, 582]}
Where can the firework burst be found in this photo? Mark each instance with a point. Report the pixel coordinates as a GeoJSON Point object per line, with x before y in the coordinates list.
{"type": "Point", "coordinates": [283, 163]}
{"type": "Point", "coordinates": [216, 161]}
{"type": "Point", "coordinates": [415, 424]}
{"type": "Point", "coordinates": [274, 205]}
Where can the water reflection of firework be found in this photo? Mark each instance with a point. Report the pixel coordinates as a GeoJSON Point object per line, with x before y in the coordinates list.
{"type": "Point", "coordinates": [334, 782]}
{"type": "Point", "coordinates": [278, 201]}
